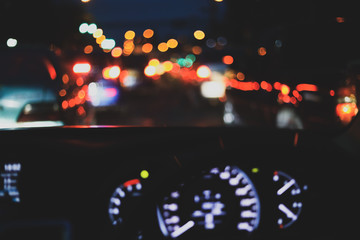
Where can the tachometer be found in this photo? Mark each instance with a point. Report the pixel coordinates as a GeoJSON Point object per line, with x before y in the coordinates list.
{"type": "Point", "coordinates": [220, 200]}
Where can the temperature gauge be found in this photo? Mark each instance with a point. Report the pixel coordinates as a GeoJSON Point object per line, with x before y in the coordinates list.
{"type": "Point", "coordinates": [289, 201]}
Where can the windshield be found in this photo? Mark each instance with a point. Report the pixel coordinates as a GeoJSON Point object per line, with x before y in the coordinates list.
{"type": "Point", "coordinates": [271, 64]}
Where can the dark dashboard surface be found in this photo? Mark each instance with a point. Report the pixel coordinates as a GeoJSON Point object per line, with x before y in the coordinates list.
{"type": "Point", "coordinates": [174, 183]}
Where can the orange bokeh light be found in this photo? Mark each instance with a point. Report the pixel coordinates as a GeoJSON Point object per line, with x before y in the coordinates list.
{"type": "Point", "coordinates": [228, 60]}
{"type": "Point", "coordinates": [116, 52]}
{"type": "Point", "coordinates": [148, 33]}
{"type": "Point", "coordinates": [147, 48]}
{"type": "Point", "coordinates": [262, 51]}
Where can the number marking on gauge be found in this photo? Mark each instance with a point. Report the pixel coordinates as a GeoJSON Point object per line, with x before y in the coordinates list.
{"type": "Point", "coordinates": [206, 205]}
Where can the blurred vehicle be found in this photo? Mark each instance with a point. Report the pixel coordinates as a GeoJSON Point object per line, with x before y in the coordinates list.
{"type": "Point", "coordinates": [28, 89]}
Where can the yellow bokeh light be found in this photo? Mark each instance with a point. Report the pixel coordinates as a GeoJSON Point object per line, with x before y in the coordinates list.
{"type": "Point", "coordinates": [163, 47]}
{"type": "Point", "coordinates": [160, 70]}
{"type": "Point", "coordinates": [100, 39]}
{"type": "Point", "coordinates": [129, 35]}
{"type": "Point", "coordinates": [154, 62]}
{"type": "Point", "coordinates": [168, 66]}
{"type": "Point", "coordinates": [199, 35]}
{"type": "Point", "coordinates": [148, 33]}
{"type": "Point", "coordinates": [172, 43]}
{"type": "Point", "coordinates": [98, 33]}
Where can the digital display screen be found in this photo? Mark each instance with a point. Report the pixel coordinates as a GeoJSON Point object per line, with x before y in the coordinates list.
{"type": "Point", "coordinates": [9, 173]}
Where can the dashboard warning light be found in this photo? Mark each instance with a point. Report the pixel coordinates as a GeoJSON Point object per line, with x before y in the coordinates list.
{"type": "Point", "coordinates": [144, 174]}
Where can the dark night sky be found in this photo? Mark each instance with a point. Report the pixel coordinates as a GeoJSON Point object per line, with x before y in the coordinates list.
{"type": "Point", "coordinates": [170, 17]}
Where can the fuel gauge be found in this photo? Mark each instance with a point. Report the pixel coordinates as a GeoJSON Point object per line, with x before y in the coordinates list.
{"type": "Point", "coordinates": [288, 199]}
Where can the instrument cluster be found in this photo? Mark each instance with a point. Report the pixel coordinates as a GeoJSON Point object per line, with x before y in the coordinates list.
{"type": "Point", "coordinates": [213, 202]}
{"type": "Point", "coordinates": [184, 190]}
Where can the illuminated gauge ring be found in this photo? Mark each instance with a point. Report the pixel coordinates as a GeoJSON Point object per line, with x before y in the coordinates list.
{"type": "Point", "coordinates": [118, 201]}
{"type": "Point", "coordinates": [289, 200]}
{"type": "Point", "coordinates": [221, 200]}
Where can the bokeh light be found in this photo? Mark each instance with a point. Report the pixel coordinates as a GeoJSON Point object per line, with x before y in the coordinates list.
{"type": "Point", "coordinates": [262, 51]}
{"type": "Point", "coordinates": [172, 43]}
{"type": "Point", "coordinates": [88, 49]}
{"type": "Point", "coordinates": [147, 48]}
{"type": "Point", "coordinates": [163, 47]}
{"type": "Point", "coordinates": [99, 32]}
{"type": "Point", "coordinates": [228, 60]}
{"type": "Point", "coordinates": [129, 35]}
{"type": "Point", "coordinates": [11, 42]}
{"type": "Point", "coordinates": [148, 33]}
{"type": "Point", "coordinates": [199, 34]}
{"type": "Point", "coordinates": [150, 71]}
{"type": "Point", "coordinates": [203, 72]}
{"type": "Point", "coordinates": [116, 52]}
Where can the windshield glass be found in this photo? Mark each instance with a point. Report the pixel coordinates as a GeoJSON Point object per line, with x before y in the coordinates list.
{"type": "Point", "coordinates": [272, 64]}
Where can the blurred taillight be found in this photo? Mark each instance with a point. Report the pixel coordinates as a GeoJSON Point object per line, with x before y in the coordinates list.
{"type": "Point", "coordinates": [346, 111]}
{"type": "Point", "coordinates": [82, 68]}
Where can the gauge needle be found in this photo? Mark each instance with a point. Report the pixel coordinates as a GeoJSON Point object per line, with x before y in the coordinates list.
{"type": "Point", "coordinates": [285, 187]}
{"type": "Point", "coordinates": [287, 212]}
{"type": "Point", "coordinates": [183, 229]}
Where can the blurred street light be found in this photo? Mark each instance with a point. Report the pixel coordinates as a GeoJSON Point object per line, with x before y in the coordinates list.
{"type": "Point", "coordinates": [199, 34]}
{"type": "Point", "coordinates": [92, 28]}
{"type": "Point", "coordinates": [83, 28]}
{"type": "Point", "coordinates": [108, 44]}
{"type": "Point", "coordinates": [11, 42]}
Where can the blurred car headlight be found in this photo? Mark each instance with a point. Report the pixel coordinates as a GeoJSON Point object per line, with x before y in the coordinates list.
{"type": "Point", "coordinates": [213, 89]}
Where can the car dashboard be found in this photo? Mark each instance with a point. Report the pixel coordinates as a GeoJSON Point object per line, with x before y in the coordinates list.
{"type": "Point", "coordinates": [174, 183]}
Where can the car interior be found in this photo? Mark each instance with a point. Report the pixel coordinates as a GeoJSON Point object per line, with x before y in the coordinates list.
{"type": "Point", "coordinates": [166, 183]}
{"type": "Point", "coordinates": [206, 119]}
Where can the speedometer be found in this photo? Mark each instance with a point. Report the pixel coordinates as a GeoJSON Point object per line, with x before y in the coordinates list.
{"type": "Point", "coordinates": [123, 197]}
{"type": "Point", "coordinates": [220, 200]}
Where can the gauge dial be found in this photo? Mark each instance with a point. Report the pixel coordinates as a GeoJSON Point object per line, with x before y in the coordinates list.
{"type": "Point", "coordinates": [220, 200]}
{"type": "Point", "coordinates": [289, 203]}
{"type": "Point", "coordinates": [122, 197]}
